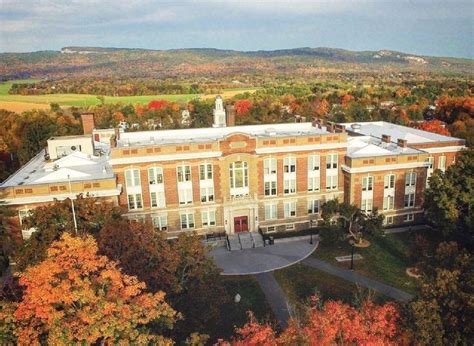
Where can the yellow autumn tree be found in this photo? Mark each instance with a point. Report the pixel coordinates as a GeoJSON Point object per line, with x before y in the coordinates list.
{"type": "Point", "coordinates": [78, 296]}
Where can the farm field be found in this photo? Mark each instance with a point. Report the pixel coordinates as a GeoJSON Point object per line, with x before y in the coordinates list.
{"type": "Point", "coordinates": [20, 103]}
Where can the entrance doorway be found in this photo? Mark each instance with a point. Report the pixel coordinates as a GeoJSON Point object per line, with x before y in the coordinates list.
{"type": "Point", "coordinates": [241, 224]}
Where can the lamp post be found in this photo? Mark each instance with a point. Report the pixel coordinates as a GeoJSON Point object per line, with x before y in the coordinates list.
{"type": "Point", "coordinates": [72, 205]}
{"type": "Point", "coordinates": [352, 255]}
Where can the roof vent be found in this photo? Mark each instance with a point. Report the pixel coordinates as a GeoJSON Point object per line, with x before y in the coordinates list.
{"type": "Point", "coordinates": [356, 127]}
{"type": "Point", "coordinates": [271, 131]}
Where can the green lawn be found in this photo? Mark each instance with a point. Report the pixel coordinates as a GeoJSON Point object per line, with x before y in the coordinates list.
{"type": "Point", "coordinates": [5, 86]}
{"type": "Point", "coordinates": [386, 259]}
{"type": "Point", "coordinates": [91, 100]}
{"type": "Point", "coordinates": [301, 282]}
{"type": "Point", "coordinates": [235, 314]}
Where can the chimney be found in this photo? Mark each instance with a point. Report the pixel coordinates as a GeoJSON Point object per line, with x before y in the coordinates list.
{"type": "Point", "coordinates": [402, 143]}
{"type": "Point", "coordinates": [386, 138]}
{"type": "Point", "coordinates": [88, 123]}
{"type": "Point", "coordinates": [340, 128]}
{"type": "Point", "coordinates": [230, 115]}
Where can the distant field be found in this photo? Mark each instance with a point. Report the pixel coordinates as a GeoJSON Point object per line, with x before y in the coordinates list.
{"type": "Point", "coordinates": [19, 103]}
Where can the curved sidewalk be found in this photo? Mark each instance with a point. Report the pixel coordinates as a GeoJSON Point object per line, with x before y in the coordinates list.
{"type": "Point", "coordinates": [263, 259]}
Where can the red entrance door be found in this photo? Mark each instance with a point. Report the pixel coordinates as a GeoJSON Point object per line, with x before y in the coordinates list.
{"type": "Point", "coordinates": [241, 224]}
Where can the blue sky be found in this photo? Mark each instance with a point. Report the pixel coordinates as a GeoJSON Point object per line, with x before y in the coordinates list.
{"type": "Point", "coordinates": [440, 28]}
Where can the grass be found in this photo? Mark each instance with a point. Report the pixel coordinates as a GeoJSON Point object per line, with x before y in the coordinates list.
{"type": "Point", "coordinates": [386, 259]}
{"type": "Point", "coordinates": [84, 100]}
{"type": "Point", "coordinates": [235, 314]}
{"type": "Point", "coordinates": [6, 86]}
{"type": "Point", "coordinates": [300, 282]}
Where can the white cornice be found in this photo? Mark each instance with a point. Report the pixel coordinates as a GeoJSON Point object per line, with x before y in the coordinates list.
{"type": "Point", "coordinates": [160, 158]}
{"type": "Point", "coordinates": [368, 169]}
{"type": "Point", "coordinates": [296, 148]}
{"type": "Point", "coordinates": [60, 197]}
{"type": "Point", "coordinates": [437, 150]}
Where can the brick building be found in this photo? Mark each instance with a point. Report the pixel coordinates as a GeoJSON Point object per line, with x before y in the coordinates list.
{"type": "Point", "coordinates": [239, 178]}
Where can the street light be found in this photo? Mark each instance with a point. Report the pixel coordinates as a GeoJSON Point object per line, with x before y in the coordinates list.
{"type": "Point", "coordinates": [72, 205]}
{"type": "Point", "coordinates": [352, 255]}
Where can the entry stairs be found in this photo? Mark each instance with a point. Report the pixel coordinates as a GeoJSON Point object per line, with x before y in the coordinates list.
{"type": "Point", "coordinates": [244, 240]}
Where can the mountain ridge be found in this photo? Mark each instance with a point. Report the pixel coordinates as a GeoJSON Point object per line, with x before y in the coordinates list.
{"type": "Point", "coordinates": [107, 62]}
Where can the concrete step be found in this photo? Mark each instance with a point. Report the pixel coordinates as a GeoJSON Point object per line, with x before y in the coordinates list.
{"type": "Point", "coordinates": [257, 239]}
{"type": "Point", "coordinates": [246, 240]}
{"type": "Point", "coordinates": [234, 242]}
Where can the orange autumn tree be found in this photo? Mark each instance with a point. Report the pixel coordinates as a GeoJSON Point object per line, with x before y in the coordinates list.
{"type": "Point", "coordinates": [242, 107]}
{"type": "Point", "coordinates": [435, 126]}
{"type": "Point", "coordinates": [78, 296]}
{"type": "Point", "coordinates": [332, 323]}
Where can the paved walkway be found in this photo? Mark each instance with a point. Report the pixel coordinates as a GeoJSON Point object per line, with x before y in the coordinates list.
{"type": "Point", "coordinates": [263, 259]}
{"type": "Point", "coordinates": [407, 229]}
{"type": "Point", "coordinates": [275, 297]}
{"type": "Point", "coordinates": [350, 275]}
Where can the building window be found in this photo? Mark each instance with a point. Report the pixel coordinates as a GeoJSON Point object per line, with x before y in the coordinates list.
{"type": "Point", "coordinates": [388, 203]}
{"type": "Point", "coordinates": [160, 222]}
{"type": "Point", "coordinates": [270, 212]}
{"type": "Point", "coordinates": [313, 173]}
{"type": "Point", "coordinates": [331, 161]}
{"type": "Point", "coordinates": [289, 165]}
{"type": "Point", "coordinates": [184, 173]}
{"type": "Point", "coordinates": [132, 177]}
{"type": "Point", "coordinates": [239, 175]}
{"type": "Point", "coordinates": [289, 227]}
{"type": "Point", "coordinates": [442, 163]}
{"type": "Point", "coordinates": [207, 194]}
{"type": "Point", "coordinates": [388, 220]}
{"type": "Point", "coordinates": [290, 209]}
{"type": "Point", "coordinates": [409, 218]}
{"type": "Point", "coordinates": [313, 184]}
{"type": "Point", "coordinates": [155, 175]}
{"type": "Point", "coordinates": [208, 218]}
{"type": "Point", "coordinates": [289, 186]}
{"type": "Point", "coordinates": [157, 199]}
{"type": "Point", "coordinates": [270, 176]}
{"type": "Point", "coordinates": [205, 171]}
{"type": "Point", "coordinates": [331, 182]}
{"type": "Point", "coordinates": [409, 200]}
{"type": "Point", "coordinates": [187, 220]}
{"type": "Point", "coordinates": [271, 229]}
{"type": "Point", "coordinates": [23, 214]}
{"type": "Point", "coordinates": [366, 205]}
{"type": "Point", "coordinates": [313, 206]}
{"type": "Point", "coordinates": [410, 179]}
{"type": "Point", "coordinates": [367, 183]}
{"type": "Point", "coordinates": [389, 181]}
{"type": "Point", "coordinates": [185, 194]}
{"type": "Point", "coordinates": [270, 188]}
{"type": "Point", "coordinates": [135, 201]}
{"type": "Point", "coordinates": [430, 161]}
{"type": "Point", "coordinates": [269, 166]}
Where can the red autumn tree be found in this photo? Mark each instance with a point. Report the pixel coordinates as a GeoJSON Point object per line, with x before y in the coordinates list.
{"type": "Point", "coordinates": [242, 107]}
{"type": "Point", "coordinates": [157, 104]}
{"type": "Point", "coordinates": [435, 126]}
{"type": "Point", "coordinates": [331, 323]}
{"type": "Point", "coordinates": [76, 296]}
{"type": "Point", "coordinates": [345, 99]}
{"type": "Point", "coordinates": [322, 108]}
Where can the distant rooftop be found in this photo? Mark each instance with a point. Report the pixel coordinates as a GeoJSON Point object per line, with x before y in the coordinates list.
{"type": "Point", "coordinates": [411, 135]}
{"type": "Point", "coordinates": [76, 167]}
{"type": "Point", "coordinates": [216, 133]}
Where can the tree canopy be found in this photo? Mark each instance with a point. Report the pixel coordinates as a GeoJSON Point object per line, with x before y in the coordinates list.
{"type": "Point", "coordinates": [77, 296]}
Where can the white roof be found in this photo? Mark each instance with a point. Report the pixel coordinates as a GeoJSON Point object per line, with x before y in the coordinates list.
{"type": "Point", "coordinates": [367, 146]}
{"type": "Point", "coordinates": [76, 166]}
{"type": "Point", "coordinates": [216, 133]}
{"type": "Point", "coordinates": [413, 136]}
